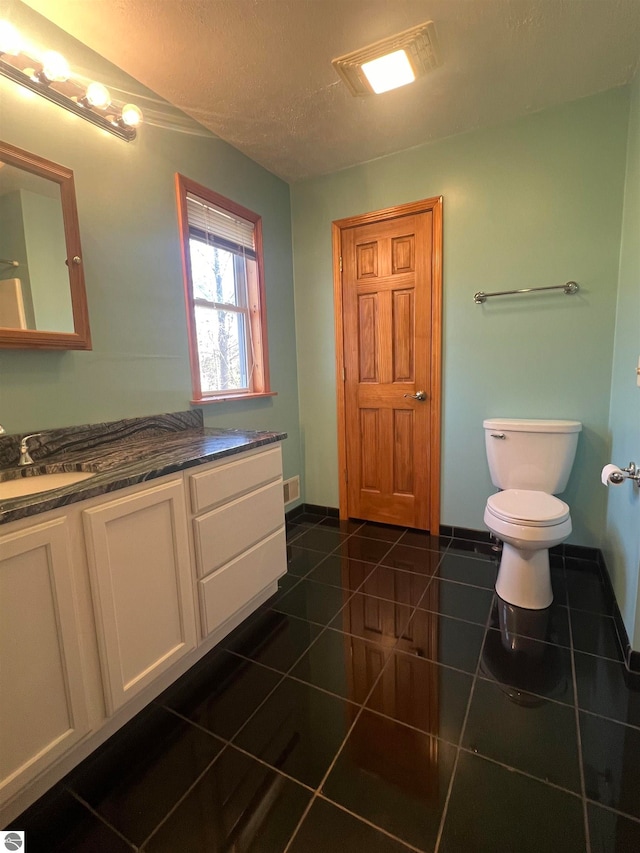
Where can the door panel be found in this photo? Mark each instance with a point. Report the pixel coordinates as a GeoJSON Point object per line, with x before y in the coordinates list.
{"type": "Point", "coordinates": [403, 323]}
{"type": "Point", "coordinates": [387, 316]}
{"type": "Point", "coordinates": [368, 347]}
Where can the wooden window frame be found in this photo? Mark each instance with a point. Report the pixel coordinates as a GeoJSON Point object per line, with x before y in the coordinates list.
{"type": "Point", "coordinates": [257, 303]}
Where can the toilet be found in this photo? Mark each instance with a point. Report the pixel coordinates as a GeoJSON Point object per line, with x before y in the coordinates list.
{"type": "Point", "coordinates": [530, 461]}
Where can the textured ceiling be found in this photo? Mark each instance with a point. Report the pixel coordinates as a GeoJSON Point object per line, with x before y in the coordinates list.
{"type": "Point", "coordinates": [258, 72]}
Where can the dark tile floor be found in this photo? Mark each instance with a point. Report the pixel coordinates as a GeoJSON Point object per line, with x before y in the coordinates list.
{"type": "Point", "coordinates": [383, 700]}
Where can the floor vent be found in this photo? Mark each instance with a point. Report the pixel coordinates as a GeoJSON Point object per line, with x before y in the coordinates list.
{"type": "Point", "coordinates": [291, 488]}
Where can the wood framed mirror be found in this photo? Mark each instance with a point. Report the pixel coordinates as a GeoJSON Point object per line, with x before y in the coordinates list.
{"type": "Point", "coordinates": [43, 302]}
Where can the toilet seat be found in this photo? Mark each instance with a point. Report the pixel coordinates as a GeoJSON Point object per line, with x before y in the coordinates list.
{"type": "Point", "coordinates": [528, 508]}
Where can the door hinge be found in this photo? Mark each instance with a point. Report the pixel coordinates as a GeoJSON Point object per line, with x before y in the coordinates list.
{"type": "Point", "coordinates": [340, 263]}
{"type": "Point", "coordinates": [344, 375]}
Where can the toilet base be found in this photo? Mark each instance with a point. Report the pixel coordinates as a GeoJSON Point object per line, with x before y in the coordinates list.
{"type": "Point", "coordinates": [524, 579]}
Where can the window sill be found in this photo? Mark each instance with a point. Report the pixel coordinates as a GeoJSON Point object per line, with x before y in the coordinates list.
{"type": "Point", "coordinates": [222, 398]}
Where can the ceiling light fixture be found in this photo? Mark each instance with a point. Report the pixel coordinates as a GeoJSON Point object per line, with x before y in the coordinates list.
{"type": "Point", "coordinates": [50, 76]}
{"type": "Point", "coordinates": [391, 62]}
{"type": "Point", "coordinates": [389, 72]}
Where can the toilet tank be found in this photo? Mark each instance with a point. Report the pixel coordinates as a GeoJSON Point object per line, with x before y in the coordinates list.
{"type": "Point", "coordinates": [531, 454]}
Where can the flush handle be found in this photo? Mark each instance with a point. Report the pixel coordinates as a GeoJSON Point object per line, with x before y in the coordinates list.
{"type": "Point", "coordinates": [498, 435]}
{"type": "Point", "coordinates": [419, 395]}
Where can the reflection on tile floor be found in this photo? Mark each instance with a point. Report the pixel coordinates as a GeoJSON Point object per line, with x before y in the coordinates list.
{"type": "Point", "coordinates": [383, 700]}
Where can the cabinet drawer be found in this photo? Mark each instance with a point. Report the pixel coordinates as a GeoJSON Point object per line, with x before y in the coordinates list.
{"type": "Point", "coordinates": [224, 482]}
{"type": "Point", "coordinates": [224, 592]}
{"type": "Point", "coordinates": [223, 533]}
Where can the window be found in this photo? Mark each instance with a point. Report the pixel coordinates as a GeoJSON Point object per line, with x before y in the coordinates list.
{"type": "Point", "coordinates": [226, 314]}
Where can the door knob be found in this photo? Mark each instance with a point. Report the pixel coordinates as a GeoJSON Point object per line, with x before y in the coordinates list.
{"type": "Point", "coordinates": [419, 395]}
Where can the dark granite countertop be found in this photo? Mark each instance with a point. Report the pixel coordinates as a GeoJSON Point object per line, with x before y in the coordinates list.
{"type": "Point", "coordinates": [122, 456]}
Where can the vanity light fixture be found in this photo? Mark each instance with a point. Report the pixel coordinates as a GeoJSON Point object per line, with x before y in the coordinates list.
{"type": "Point", "coordinates": [391, 62]}
{"type": "Point", "coordinates": [50, 76]}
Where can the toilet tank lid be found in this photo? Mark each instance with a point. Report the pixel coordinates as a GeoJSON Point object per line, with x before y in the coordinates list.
{"type": "Point", "coordinates": [531, 425]}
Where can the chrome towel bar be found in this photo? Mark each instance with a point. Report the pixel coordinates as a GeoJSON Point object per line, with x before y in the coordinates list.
{"type": "Point", "coordinates": [569, 288]}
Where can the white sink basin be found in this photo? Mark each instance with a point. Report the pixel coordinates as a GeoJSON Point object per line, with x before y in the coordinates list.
{"type": "Point", "coordinates": [40, 483]}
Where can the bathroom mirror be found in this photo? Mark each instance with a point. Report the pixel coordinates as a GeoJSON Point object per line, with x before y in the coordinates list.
{"type": "Point", "coordinates": [43, 303]}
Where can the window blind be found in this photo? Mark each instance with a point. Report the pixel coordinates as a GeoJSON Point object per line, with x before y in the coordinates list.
{"type": "Point", "coordinates": [220, 228]}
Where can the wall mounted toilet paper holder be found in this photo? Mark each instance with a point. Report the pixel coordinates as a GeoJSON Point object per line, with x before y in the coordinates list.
{"type": "Point", "coordinates": [631, 472]}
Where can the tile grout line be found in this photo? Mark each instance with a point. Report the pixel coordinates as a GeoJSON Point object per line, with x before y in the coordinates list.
{"type": "Point", "coordinates": [375, 826]}
{"type": "Point", "coordinates": [102, 819]}
{"type": "Point", "coordinates": [585, 813]}
{"type": "Point", "coordinates": [182, 798]}
{"type": "Point", "coordinates": [520, 772]}
{"type": "Point", "coordinates": [393, 651]}
{"type": "Point", "coordinates": [477, 674]}
{"type": "Point", "coordinates": [231, 742]}
{"type": "Point", "coordinates": [286, 674]}
{"type": "Point", "coordinates": [271, 767]}
{"type": "Point", "coordinates": [490, 759]}
{"type": "Point", "coordinates": [611, 719]}
{"type": "Point", "coordinates": [330, 768]}
{"type": "Point", "coordinates": [611, 809]}
{"type": "Point", "coordinates": [454, 770]}
{"type": "Point", "coordinates": [361, 708]}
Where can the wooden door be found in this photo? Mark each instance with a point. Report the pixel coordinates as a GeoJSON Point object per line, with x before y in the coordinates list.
{"type": "Point", "coordinates": [388, 296]}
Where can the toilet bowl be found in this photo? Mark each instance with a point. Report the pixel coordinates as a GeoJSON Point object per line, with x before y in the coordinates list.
{"type": "Point", "coordinates": [528, 523]}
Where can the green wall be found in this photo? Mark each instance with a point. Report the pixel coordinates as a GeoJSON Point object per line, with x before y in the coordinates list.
{"type": "Point", "coordinates": [622, 541]}
{"type": "Point", "coordinates": [128, 225]}
{"type": "Point", "coordinates": [534, 202]}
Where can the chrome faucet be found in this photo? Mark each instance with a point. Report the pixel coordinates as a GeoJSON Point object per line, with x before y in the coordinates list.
{"type": "Point", "coordinates": [25, 456]}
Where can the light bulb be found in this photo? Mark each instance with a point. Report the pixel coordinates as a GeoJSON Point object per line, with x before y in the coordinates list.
{"type": "Point", "coordinates": [10, 39]}
{"type": "Point", "coordinates": [131, 115]}
{"type": "Point", "coordinates": [55, 67]}
{"type": "Point", "coordinates": [98, 95]}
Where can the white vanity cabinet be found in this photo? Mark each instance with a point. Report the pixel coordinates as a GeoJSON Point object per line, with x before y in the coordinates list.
{"type": "Point", "coordinates": [99, 605]}
{"type": "Point", "coordinates": [138, 555]}
{"type": "Point", "coordinates": [239, 534]}
{"type": "Point", "coordinates": [43, 706]}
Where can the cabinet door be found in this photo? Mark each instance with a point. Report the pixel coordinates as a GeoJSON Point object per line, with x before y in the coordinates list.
{"type": "Point", "coordinates": [139, 563]}
{"type": "Point", "coordinates": [43, 709]}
